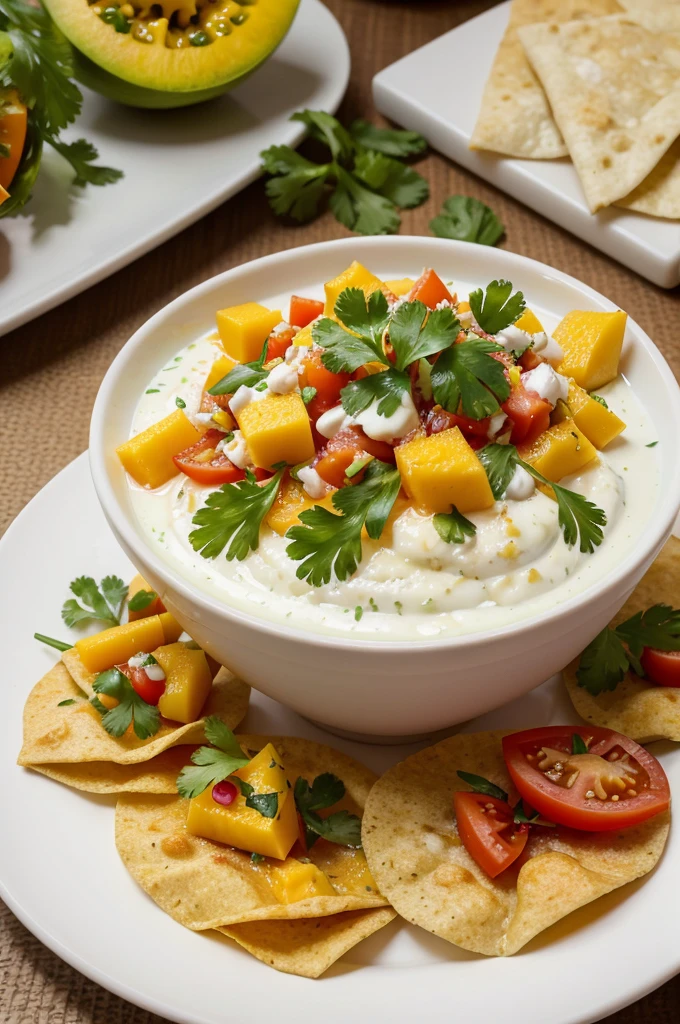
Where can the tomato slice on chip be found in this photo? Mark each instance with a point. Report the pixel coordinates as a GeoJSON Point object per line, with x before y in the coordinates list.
{"type": "Point", "coordinates": [611, 783]}
{"type": "Point", "coordinates": [661, 667]}
{"type": "Point", "coordinates": [488, 832]}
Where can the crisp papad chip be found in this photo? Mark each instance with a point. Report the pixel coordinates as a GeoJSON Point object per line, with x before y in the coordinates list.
{"type": "Point", "coordinates": [418, 861]}
{"type": "Point", "coordinates": [74, 733]}
{"type": "Point", "coordinates": [204, 884]}
{"type": "Point", "coordinates": [159, 775]}
{"type": "Point", "coordinates": [515, 116]}
{"type": "Point", "coordinates": [308, 947]}
{"type": "Point", "coordinates": [618, 117]}
{"type": "Point", "coordinates": [637, 708]}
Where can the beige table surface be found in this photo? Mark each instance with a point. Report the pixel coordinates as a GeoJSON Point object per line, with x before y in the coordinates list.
{"type": "Point", "coordinates": [55, 364]}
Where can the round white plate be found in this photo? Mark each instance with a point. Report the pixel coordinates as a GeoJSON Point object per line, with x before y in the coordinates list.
{"type": "Point", "coordinates": [178, 165]}
{"type": "Point", "coordinates": [60, 873]}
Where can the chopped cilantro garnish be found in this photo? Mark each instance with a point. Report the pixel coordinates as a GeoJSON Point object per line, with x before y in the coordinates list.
{"type": "Point", "coordinates": [578, 744]}
{"type": "Point", "coordinates": [496, 308]}
{"type": "Point", "coordinates": [246, 374]}
{"type": "Point", "coordinates": [390, 141]}
{"type": "Point", "coordinates": [469, 220]}
{"type": "Point", "coordinates": [500, 463]}
{"type": "Point", "coordinates": [466, 375]}
{"type": "Point", "coordinates": [355, 468]}
{"type": "Point", "coordinates": [212, 764]}
{"type": "Point", "coordinates": [414, 337]}
{"type": "Point", "coordinates": [66, 703]}
{"type": "Point", "coordinates": [101, 603]}
{"type": "Point", "coordinates": [130, 710]}
{"type": "Point", "coordinates": [58, 645]}
{"type": "Point", "coordinates": [453, 527]}
{"type": "Point", "coordinates": [358, 613]}
{"type": "Point", "coordinates": [600, 399]}
{"type": "Point", "coordinates": [232, 516]}
{"type": "Point", "coordinates": [307, 394]}
{"type": "Point", "coordinates": [479, 784]}
{"type": "Point", "coordinates": [141, 600]}
{"type": "Point", "coordinates": [256, 858]}
{"type": "Point", "coordinates": [180, 403]}
{"type": "Point", "coordinates": [652, 444]}
{"type": "Point", "coordinates": [614, 651]}
{"type": "Point", "coordinates": [266, 804]}
{"type": "Point", "coordinates": [341, 828]}
{"type": "Point", "coordinates": [386, 388]}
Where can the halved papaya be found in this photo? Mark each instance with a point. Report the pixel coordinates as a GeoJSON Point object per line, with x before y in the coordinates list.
{"type": "Point", "coordinates": [171, 53]}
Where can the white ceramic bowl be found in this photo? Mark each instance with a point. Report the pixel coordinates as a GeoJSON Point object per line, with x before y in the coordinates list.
{"type": "Point", "coordinates": [379, 688]}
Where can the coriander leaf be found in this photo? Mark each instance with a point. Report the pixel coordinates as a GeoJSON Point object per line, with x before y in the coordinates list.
{"type": "Point", "coordinates": [481, 785]}
{"type": "Point", "coordinates": [327, 129]}
{"type": "Point", "coordinates": [212, 765]}
{"type": "Point", "coordinates": [360, 209]}
{"type": "Point", "coordinates": [256, 858]}
{"type": "Point", "coordinates": [141, 600]}
{"type": "Point", "coordinates": [469, 220]}
{"type": "Point", "coordinates": [115, 591]}
{"type": "Point", "coordinates": [400, 184]}
{"type": "Point", "coordinates": [467, 375]}
{"type": "Point", "coordinates": [80, 155]}
{"type": "Point", "coordinates": [497, 308]}
{"type": "Point", "coordinates": [66, 703]}
{"type": "Point", "coordinates": [327, 789]}
{"type": "Point", "coordinates": [243, 375]}
{"type": "Point", "coordinates": [220, 735]}
{"type": "Point", "coordinates": [308, 395]}
{"type": "Point", "coordinates": [367, 317]}
{"type": "Point", "coordinates": [652, 444]}
{"type": "Point", "coordinates": [602, 664]}
{"type": "Point", "coordinates": [58, 645]}
{"type": "Point", "coordinates": [373, 498]}
{"type": "Point", "coordinates": [413, 337]}
{"type": "Point", "coordinates": [101, 603]}
{"type": "Point", "coordinates": [232, 515]}
{"type": "Point", "coordinates": [453, 527]}
{"type": "Point", "coordinates": [578, 744]}
{"type": "Point", "coordinates": [658, 627]}
{"type": "Point", "coordinates": [131, 709]}
{"type": "Point", "coordinates": [500, 462]}
{"type": "Point", "coordinates": [297, 185]}
{"type": "Point", "coordinates": [342, 827]}
{"type": "Point", "coordinates": [579, 518]}
{"type": "Point", "coordinates": [344, 352]}
{"type": "Point", "coordinates": [391, 141]}
{"type": "Point", "coordinates": [520, 816]}
{"type": "Point", "coordinates": [386, 388]}
{"type": "Point", "coordinates": [267, 804]}
{"type": "Point", "coordinates": [600, 399]}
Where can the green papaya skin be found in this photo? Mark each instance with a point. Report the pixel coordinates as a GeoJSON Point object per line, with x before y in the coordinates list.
{"type": "Point", "coordinates": [106, 84]}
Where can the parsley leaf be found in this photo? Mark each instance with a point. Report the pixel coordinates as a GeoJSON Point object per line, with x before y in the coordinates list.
{"type": "Point", "coordinates": [308, 395]}
{"type": "Point", "coordinates": [267, 804]}
{"type": "Point", "coordinates": [605, 660]}
{"type": "Point", "coordinates": [58, 645]}
{"type": "Point", "coordinates": [453, 527]}
{"type": "Point", "coordinates": [400, 184]}
{"type": "Point", "coordinates": [496, 308]}
{"type": "Point", "coordinates": [386, 388]}
{"type": "Point", "coordinates": [233, 515]}
{"type": "Point", "coordinates": [341, 828]}
{"type": "Point", "coordinates": [130, 710]}
{"type": "Point", "coordinates": [478, 784]}
{"type": "Point", "coordinates": [658, 627]}
{"type": "Point", "coordinates": [101, 603]}
{"type": "Point", "coordinates": [361, 209]}
{"type": "Point", "coordinates": [367, 317]}
{"type": "Point", "coordinates": [328, 544]}
{"type": "Point", "coordinates": [469, 220]}
{"type": "Point", "coordinates": [327, 129]}
{"type": "Point", "coordinates": [500, 462]}
{"type": "Point", "coordinates": [413, 337]}
{"type": "Point", "coordinates": [243, 374]}
{"type": "Point", "coordinates": [600, 399]}
{"type": "Point", "coordinates": [212, 764]}
{"type": "Point", "coordinates": [391, 141]}
{"type": "Point", "coordinates": [81, 154]}
{"type": "Point", "coordinates": [466, 375]}
{"type": "Point", "coordinates": [141, 600]}
{"type": "Point", "coordinates": [603, 663]}
{"type": "Point", "coordinates": [297, 185]}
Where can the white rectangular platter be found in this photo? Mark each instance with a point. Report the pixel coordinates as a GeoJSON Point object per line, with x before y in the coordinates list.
{"type": "Point", "coordinates": [424, 92]}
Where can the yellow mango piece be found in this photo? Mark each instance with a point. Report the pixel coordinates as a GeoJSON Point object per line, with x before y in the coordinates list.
{"type": "Point", "coordinates": [147, 456]}
{"type": "Point", "coordinates": [294, 881]}
{"type": "Point", "coordinates": [155, 607]}
{"type": "Point", "coordinates": [304, 336]}
{"type": "Point", "coordinates": [400, 287]}
{"type": "Point", "coordinates": [224, 419]}
{"type": "Point", "coordinates": [118, 644]}
{"type": "Point", "coordinates": [244, 329]}
{"type": "Point", "coordinates": [291, 500]}
{"type": "Point", "coordinates": [356, 276]}
{"type": "Point", "coordinates": [559, 451]}
{"type": "Point", "coordinates": [219, 369]}
{"type": "Point", "coordinates": [529, 322]}
{"type": "Point", "coordinates": [600, 425]}
{"type": "Point", "coordinates": [171, 627]}
{"type": "Point", "coordinates": [464, 307]}
{"type": "Point", "coordinates": [277, 429]}
{"type": "Point", "coordinates": [591, 343]}
{"type": "Point", "coordinates": [188, 681]}
{"type": "Point", "coordinates": [244, 827]}
{"type": "Point", "coordinates": [4, 194]}
{"type": "Point", "coordinates": [442, 470]}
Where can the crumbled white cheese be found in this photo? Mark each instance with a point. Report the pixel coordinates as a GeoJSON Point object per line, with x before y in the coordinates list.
{"type": "Point", "coordinates": [315, 486]}
{"type": "Point", "coordinates": [137, 660]}
{"type": "Point", "coordinates": [547, 383]}
{"type": "Point", "coordinates": [283, 379]}
{"type": "Point", "coordinates": [394, 306]}
{"type": "Point", "coordinates": [521, 486]}
{"type": "Point", "coordinates": [495, 424]}
{"type": "Point", "coordinates": [333, 421]}
{"type": "Point", "coordinates": [244, 396]}
{"type": "Point", "coordinates": [236, 451]}
{"type": "Point", "coordinates": [153, 669]}
{"type": "Point", "coordinates": [281, 328]}
{"type": "Point", "coordinates": [155, 672]}
{"type": "Point", "coordinates": [512, 339]}
{"type": "Point", "coordinates": [465, 317]}
{"type": "Point", "coordinates": [548, 348]}
{"type": "Point", "coordinates": [444, 304]}
{"type": "Point", "coordinates": [386, 428]}
{"type": "Point", "coordinates": [205, 417]}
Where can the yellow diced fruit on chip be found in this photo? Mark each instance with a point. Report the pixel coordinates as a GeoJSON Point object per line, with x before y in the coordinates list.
{"type": "Point", "coordinates": [154, 607]}
{"type": "Point", "coordinates": [117, 645]}
{"type": "Point", "coordinates": [400, 287]}
{"type": "Point", "coordinates": [529, 322]}
{"type": "Point", "coordinates": [291, 500]}
{"type": "Point", "coordinates": [188, 681]}
{"type": "Point", "coordinates": [442, 470]}
{"type": "Point", "coordinates": [294, 881]}
{"type": "Point", "coordinates": [304, 336]}
{"type": "Point", "coordinates": [244, 329]}
{"type": "Point", "coordinates": [277, 429]}
{"type": "Point", "coordinates": [171, 627]}
{"type": "Point", "coordinates": [148, 455]}
{"type": "Point", "coordinates": [591, 343]}
{"type": "Point", "coordinates": [244, 827]}
{"type": "Point", "coordinates": [219, 369]}
{"type": "Point", "coordinates": [559, 451]}
{"type": "Point", "coordinates": [356, 276]}
{"type": "Point", "coordinates": [600, 425]}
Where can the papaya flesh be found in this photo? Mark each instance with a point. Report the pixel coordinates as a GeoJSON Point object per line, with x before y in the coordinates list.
{"type": "Point", "coordinates": [173, 53]}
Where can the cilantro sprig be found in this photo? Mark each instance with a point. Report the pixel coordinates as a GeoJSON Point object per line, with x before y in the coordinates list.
{"type": "Point", "coordinates": [243, 374]}
{"type": "Point", "coordinates": [469, 220]}
{"type": "Point", "coordinates": [497, 307]}
{"type": "Point", "coordinates": [453, 527]}
{"type": "Point", "coordinates": [467, 376]}
{"type": "Point", "coordinates": [141, 600]}
{"type": "Point", "coordinates": [130, 710]}
{"type": "Point", "coordinates": [94, 602]}
{"type": "Point", "coordinates": [212, 764]}
{"type": "Point", "coordinates": [341, 828]}
{"type": "Point", "coordinates": [478, 784]}
{"type": "Point", "coordinates": [232, 517]}
{"type": "Point", "coordinates": [615, 650]}
{"type": "Point", "coordinates": [364, 180]}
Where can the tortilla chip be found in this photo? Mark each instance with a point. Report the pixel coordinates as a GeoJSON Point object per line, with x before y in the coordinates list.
{"type": "Point", "coordinates": [159, 775]}
{"type": "Point", "coordinates": [73, 734]}
{"type": "Point", "coordinates": [659, 194]}
{"type": "Point", "coordinates": [308, 947]}
{"type": "Point", "coordinates": [204, 884]}
{"type": "Point", "coordinates": [420, 865]}
{"type": "Point", "coordinates": [515, 116]}
{"type": "Point", "coordinates": [637, 708]}
{"type": "Point", "coordinates": [617, 118]}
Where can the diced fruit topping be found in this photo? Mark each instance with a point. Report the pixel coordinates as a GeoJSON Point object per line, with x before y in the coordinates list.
{"type": "Point", "coordinates": [592, 344]}
{"type": "Point", "coordinates": [243, 329]}
{"type": "Point", "coordinates": [149, 456]}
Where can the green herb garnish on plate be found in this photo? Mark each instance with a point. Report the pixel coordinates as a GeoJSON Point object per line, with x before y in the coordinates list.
{"type": "Point", "coordinates": [467, 220]}
{"type": "Point", "coordinates": [615, 650]}
{"type": "Point", "coordinates": [94, 602]}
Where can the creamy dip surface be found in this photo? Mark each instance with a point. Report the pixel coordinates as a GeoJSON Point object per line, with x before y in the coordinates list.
{"type": "Point", "coordinates": [411, 584]}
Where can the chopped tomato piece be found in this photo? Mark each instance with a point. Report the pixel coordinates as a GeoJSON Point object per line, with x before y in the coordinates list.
{"type": "Point", "coordinates": [341, 451]}
{"type": "Point", "coordinates": [530, 414]}
{"type": "Point", "coordinates": [150, 690]}
{"type": "Point", "coordinates": [13, 126]}
{"type": "Point", "coordinates": [303, 311]}
{"type": "Point", "coordinates": [473, 430]}
{"type": "Point", "coordinates": [204, 464]}
{"type": "Point", "coordinates": [430, 289]}
{"type": "Point", "coordinates": [328, 385]}
{"type": "Point", "coordinates": [488, 832]}
{"type": "Point", "coordinates": [529, 360]}
{"type": "Point", "coordinates": [278, 343]}
{"type": "Point", "coordinates": [661, 667]}
{"type": "Point", "coordinates": [615, 784]}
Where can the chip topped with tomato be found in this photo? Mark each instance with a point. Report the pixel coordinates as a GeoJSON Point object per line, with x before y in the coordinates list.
{"type": "Point", "coordinates": [487, 839]}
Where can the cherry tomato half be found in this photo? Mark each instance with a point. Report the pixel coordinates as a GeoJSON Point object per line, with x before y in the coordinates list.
{"type": "Point", "coordinates": [530, 414]}
{"type": "Point", "coordinates": [661, 667]}
{"type": "Point", "coordinates": [430, 289]}
{"type": "Point", "coordinates": [150, 690]}
{"type": "Point", "coordinates": [488, 832]}
{"type": "Point", "coordinates": [616, 784]}
{"type": "Point", "coordinates": [303, 311]}
{"type": "Point", "coordinates": [202, 463]}
{"type": "Point", "coordinates": [340, 452]}
{"type": "Point", "coordinates": [278, 343]}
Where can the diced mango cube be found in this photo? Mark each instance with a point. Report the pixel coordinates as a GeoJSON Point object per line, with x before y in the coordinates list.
{"type": "Point", "coordinates": [188, 681]}
{"type": "Point", "coordinates": [304, 336]}
{"type": "Point", "coordinates": [171, 627]}
{"type": "Point", "coordinates": [591, 343]}
{"type": "Point", "coordinates": [529, 322]}
{"type": "Point", "coordinates": [244, 827]}
{"type": "Point", "coordinates": [442, 470]}
{"type": "Point", "coordinates": [154, 607]}
{"type": "Point", "coordinates": [244, 329]}
{"type": "Point", "coordinates": [117, 645]}
{"type": "Point", "coordinates": [219, 369]}
{"type": "Point", "coordinates": [600, 425]}
{"type": "Point", "coordinates": [291, 500]}
{"type": "Point", "coordinates": [147, 456]}
{"type": "Point", "coordinates": [277, 429]}
{"type": "Point", "coordinates": [559, 451]}
{"type": "Point", "coordinates": [295, 881]}
{"type": "Point", "coordinates": [356, 276]}
{"type": "Point", "coordinates": [401, 286]}
{"type": "Point", "coordinates": [464, 307]}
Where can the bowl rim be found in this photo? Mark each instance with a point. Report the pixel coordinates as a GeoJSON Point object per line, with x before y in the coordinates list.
{"type": "Point", "coordinates": [649, 543]}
